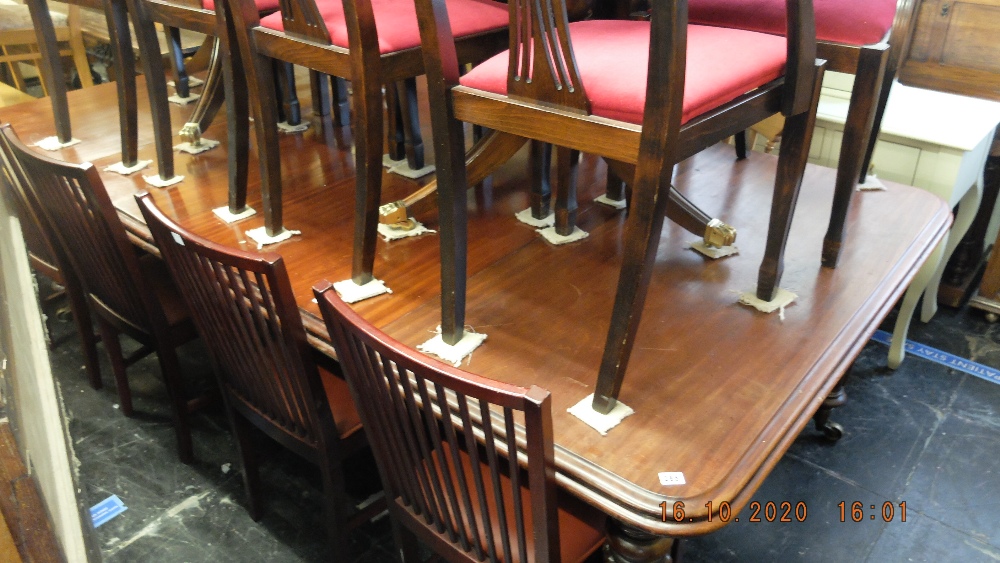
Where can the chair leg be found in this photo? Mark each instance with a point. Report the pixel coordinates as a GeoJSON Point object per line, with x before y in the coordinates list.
{"type": "Point", "coordinates": [116, 15]}
{"type": "Point", "coordinates": [244, 431]}
{"type": "Point", "coordinates": [741, 145]}
{"type": "Point", "coordinates": [615, 187]}
{"type": "Point", "coordinates": [410, 116]}
{"type": "Point", "coordinates": [339, 103]}
{"type": "Point", "coordinates": [235, 87]}
{"type": "Point", "coordinates": [290, 97]}
{"type": "Point", "coordinates": [170, 368]}
{"type": "Point", "coordinates": [367, 102]}
{"type": "Point", "coordinates": [50, 66]}
{"type": "Point", "coordinates": [406, 542]}
{"type": "Point", "coordinates": [883, 99]}
{"type": "Point", "coordinates": [541, 186]}
{"type": "Point", "coordinates": [792, 159]}
{"type": "Point", "coordinates": [266, 128]}
{"type": "Point", "coordinates": [335, 502]}
{"type": "Point", "coordinates": [567, 163]}
{"type": "Point", "coordinates": [109, 336]}
{"type": "Point", "coordinates": [395, 138]}
{"type": "Point", "coordinates": [319, 90]}
{"type": "Point", "coordinates": [857, 129]}
{"type": "Point", "coordinates": [156, 86]}
{"type": "Point", "coordinates": [85, 326]}
{"type": "Point", "coordinates": [642, 237]}
{"type": "Point", "coordinates": [182, 84]}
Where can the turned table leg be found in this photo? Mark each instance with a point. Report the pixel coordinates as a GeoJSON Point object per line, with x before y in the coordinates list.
{"type": "Point", "coordinates": [831, 430]}
{"type": "Point", "coordinates": [627, 544]}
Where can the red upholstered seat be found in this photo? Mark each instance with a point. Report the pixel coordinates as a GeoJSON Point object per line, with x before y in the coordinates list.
{"type": "Point", "coordinates": [612, 57]}
{"type": "Point", "coordinates": [396, 21]}
{"type": "Point", "coordinates": [263, 6]}
{"type": "Point", "coordinates": [854, 22]}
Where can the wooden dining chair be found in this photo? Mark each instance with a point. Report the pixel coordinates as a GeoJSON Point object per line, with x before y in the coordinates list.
{"type": "Point", "coordinates": [243, 306]}
{"type": "Point", "coordinates": [467, 463]}
{"type": "Point", "coordinates": [47, 260]}
{"type": "Point", "coordinates": [585, 86]}
{"type": "Point", "coordinates": [127, 294]}
{"type": "Point", "coordinates": [341, 38]}
{"type": "Point", "coordinates": [866, 38]}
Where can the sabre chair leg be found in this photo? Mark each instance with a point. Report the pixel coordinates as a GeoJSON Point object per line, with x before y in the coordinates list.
{"type": "Point", "coordinates": [368, 164]}
{"type": "Point", "coordinates": [238, 126]}
{"type": "Point", "coordinates": [156, 86]}
{"type": "Point", "coordinates": [116, 15]}
{"type": "Point", "coordinates": [642, 237]}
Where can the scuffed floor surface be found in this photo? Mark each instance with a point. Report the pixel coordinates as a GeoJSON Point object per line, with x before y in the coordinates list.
{"type": "Point", "coordinates": [924, 435]}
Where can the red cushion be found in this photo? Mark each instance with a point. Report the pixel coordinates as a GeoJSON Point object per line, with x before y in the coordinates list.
{"type": "Point", "coordinates": [263, 6]}
{"type": "Point", "coordinates": [855, 22]}
{"type": "Point", "coordinates": [396, 21]}
{"type": "Point", "coordinates": [612, 57]}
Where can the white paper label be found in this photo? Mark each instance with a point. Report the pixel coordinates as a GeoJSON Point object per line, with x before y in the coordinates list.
{"type": "Point", "coordinates": [671, 478]}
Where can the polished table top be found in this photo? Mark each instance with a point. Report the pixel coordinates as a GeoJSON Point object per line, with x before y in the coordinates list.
{"type": "Point", "coordinates": [719, 390]}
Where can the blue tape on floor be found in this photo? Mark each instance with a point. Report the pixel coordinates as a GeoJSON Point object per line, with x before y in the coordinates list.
{"type": "Point", "coordinates": [107, 509]}
{"type": "Point", "coordinates": [944, 358]}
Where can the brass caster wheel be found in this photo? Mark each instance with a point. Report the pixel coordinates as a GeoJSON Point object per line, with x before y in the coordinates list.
{"type": "Point", "coordinates": [992, 317]}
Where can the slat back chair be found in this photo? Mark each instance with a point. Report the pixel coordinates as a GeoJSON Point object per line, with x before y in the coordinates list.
{"type": "Point", "coordinates": [467, 462]}
{"type": "Point", "coordinates": [341, 38]}
{"type": "Point", "coordinates": [46, 259]}
{"type": "Point", "coordinates": [586, 86]}
{"type": "Point", "coordinates": [126, 294]}
{"type": "Point", "coordinates": [865, 38]}
{"type": "Point", "coordinates": [243, 306]}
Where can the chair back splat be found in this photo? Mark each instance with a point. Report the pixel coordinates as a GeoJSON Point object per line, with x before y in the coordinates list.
{"type": "Point", "coordinates": [46, 258]}
{"type": "Point", "coordinates": [642, 95]}
{"type": "Point", "coordinates": [126, 293]}
{"type": "Point", "coordinates": [243, 306]}
{"type": "Point", "coordinates": [244, 309]}
{"type": "Point", "coordinates": [542, 66]}
{"type": "Point", "coordinates": [458, 453]}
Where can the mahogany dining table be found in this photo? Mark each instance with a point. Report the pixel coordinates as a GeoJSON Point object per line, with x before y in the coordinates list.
{"type": "Point", "coordinates": [719, 390]}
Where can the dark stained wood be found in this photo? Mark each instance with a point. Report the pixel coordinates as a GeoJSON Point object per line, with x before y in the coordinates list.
{"type": "Point", "coordinates": [306, 41]}
{"type": "Point", "coordinates": [243, 306]}
{"type": "Point", "coordinates": [546, 106]}
{"type": "Point", "coordinates": [720, 391]}
{"type": "Point", "coordinates": [46, 259]}
{"type": "Point", "coordinates": [50, 66]}
{"type": "Point", "coordinates": [445, 489]}
{"type": "Point", "coordinates": [126, 294]}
